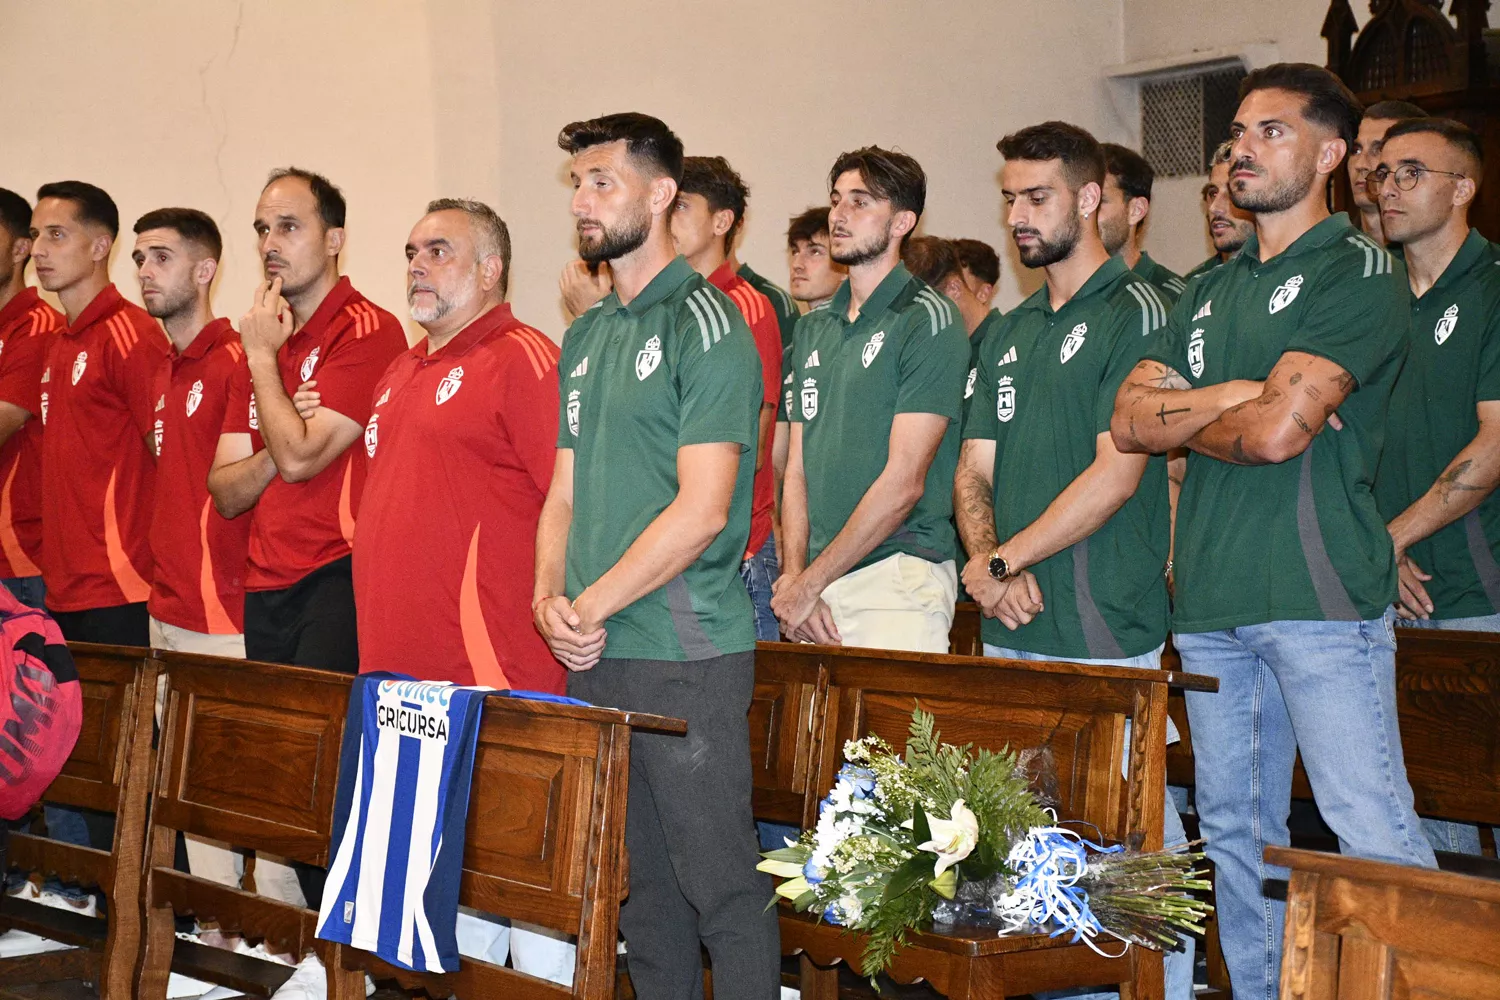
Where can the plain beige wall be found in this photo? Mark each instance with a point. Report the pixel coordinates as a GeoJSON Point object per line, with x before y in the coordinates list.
{"type": "Point", "coordinates": [400, 101]}
{"type": "Point", "coordinates": [192, 103]}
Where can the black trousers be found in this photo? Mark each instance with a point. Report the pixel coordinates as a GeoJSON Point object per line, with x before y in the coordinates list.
{"type": "Point", "coordinates": [690, 832]}
{"type": "Point", "coordinates": [120, 625]}
{"type": "Point", "coordinates": [309, 624]}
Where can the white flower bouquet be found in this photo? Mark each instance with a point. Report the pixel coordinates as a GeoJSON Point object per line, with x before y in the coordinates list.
{"type": "Point", "coordinates": [953, 836]}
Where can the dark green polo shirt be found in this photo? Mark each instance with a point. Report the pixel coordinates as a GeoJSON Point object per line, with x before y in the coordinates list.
{"type": "Point", "coordinates": [783, 305]}
{"type": "Point", "coordinates": [1302, 540]}
{"type": "Point", "coordinates": [1165, 279]}
{"type": "Point", "coordinates": [1453, 365]}
{"type": "Point", "coordinates": [1203, 268]}
{"type": "Point", "coordinates": [675, 367]}
{"type": "Point", "coordinates": [1044, 392]}
{"type": "Point", "coordinates": [906, 352]}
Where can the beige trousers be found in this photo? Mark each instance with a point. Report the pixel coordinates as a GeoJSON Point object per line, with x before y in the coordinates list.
{"type": "Point", "coordinates": [901, 602]}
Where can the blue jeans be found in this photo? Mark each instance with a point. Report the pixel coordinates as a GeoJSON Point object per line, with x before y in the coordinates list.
{"type": "Point", "coordinates": [29, 590]}
{"type": "Point", "coordinates": [1329, 688]}
{"type": "Point", "coordinates": [1176, 965]}
{"type": "Point", "coordinates": [1458, 838]}
{"type": "Point", "coordinates": [759, 572]}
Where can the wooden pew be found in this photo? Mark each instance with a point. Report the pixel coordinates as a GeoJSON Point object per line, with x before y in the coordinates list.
{"type": "Point", "coordinates": [1369, 930]}
{"type": "Point", "coordinates": [109, 770]}
{"type": "Point", "coordinates": [1078, 712]}
{"type": "Point", "coordinates": [250, 756]}
{"type": "Point", "coordinates": [786, 709]}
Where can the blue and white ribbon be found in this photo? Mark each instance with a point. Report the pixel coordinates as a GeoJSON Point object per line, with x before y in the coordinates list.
{"type": "Point", "coordinates": [1049, 861]}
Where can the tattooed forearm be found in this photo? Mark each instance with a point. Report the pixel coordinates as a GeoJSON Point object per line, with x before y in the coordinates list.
{"type": "Point", "coordinates": [1344, 381]}
{"type": "Point", "coordinates": [976, 513]}
{"type": "Point", "coordinates": [1237, 451]}
{"type": "Point", "coordinates": [1306, 428]}
{"type": "Point", "coordinates": [1451, 481]}
{"type": "Point", "coordinates": [1164, 413]}
{"type": "Point", "coordinates": [1296, 377]}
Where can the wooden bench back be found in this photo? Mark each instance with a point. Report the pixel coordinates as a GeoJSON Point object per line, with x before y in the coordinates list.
{"type": "Point", "coordinates": [1358, 928]}
{"type": "Point", "coordinates": [1077, 712]}
{"type": "Point", "coordinates": [545, 837]}
{"type": "Point", "coordinates": [786, 710]}
{"type": "Point", "coordinates": [109, 770]}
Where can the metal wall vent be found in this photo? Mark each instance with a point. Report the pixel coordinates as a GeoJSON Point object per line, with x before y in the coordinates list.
{"type": "Point", "coordinates": [1185, 116]}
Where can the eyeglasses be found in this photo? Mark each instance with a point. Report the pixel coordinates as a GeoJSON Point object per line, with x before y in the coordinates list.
{"type": "Point", "coordinates": [1407, 175]}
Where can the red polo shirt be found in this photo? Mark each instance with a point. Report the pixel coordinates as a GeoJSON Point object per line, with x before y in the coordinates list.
{"type": "Point", "coordinates": [98, 478]}
{"type": "Point", "coordinates": [461, 444]}
{"type": "Point", "coordinates": [299, 527]}
{"type": "Point", "coordinates": [26, 328]}
{"type": "Point", "coordinates": [756, 309]}
{"type": "Point", "coordinates": [200, 556]}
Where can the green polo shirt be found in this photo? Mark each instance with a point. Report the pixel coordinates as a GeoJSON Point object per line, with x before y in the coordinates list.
{"type": "Point", "coordinates": [1301, 540]}
{"type": "Point", "coordinates": [677, 366]}
{"type": "Point", "coordinates": [1453, 365]}
{"type": "Point", "coordinates": [783, 305]}
{"type": "Point", "coordinates": [1203, 268]}
{"type": "Point", "coordinates": [986, 326]}
{"type": "Point", "coordinates": [906, 352]}
{"type": "Point", "coordinates": [1044, 392]}
{"type": "Point", "coordinates": [1165, 279]}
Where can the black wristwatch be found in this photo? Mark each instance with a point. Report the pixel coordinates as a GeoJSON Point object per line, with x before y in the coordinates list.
{"type": "Point", "coordinates": [998, 567]}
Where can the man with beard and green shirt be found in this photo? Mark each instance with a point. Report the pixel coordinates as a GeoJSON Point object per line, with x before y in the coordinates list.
{"type": "Point", "coordinates": [1285, 571]}
{"type": "Point", "coordinates": [1128, 180]}
{"type": "Point", "coordinates": [1066, 536]}
{"type": "Point", "coordinates": [1228, 227]}
{"type": "Point", "coordinates": [638, 589]}
{"type": "Point", "coordinates": [1441, 462]}
{"type": "Point", "coordinates": [878, 379]}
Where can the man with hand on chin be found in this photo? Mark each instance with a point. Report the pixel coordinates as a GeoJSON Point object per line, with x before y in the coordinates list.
{"type": "Point", "coordinates": [638, 588]}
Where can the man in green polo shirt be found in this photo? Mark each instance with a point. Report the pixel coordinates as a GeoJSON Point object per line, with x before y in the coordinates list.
{"type": "Point", "coordinates": [1364, 156]}
{"type": "Point", "coordinates": [1066, 536]}
{"type": "Point", "coordinates": [981, 267]}
{"type": "Point", "coordinates": [638, 590]}
{"type": "Point", "coordinates": [936, 261]}
{"type": "Point", "coordinates": [1122, 215]}
{"type": "Point", "coordinates": [1285, 572]}
{"type": "Point", "coordinates": [1228, 227]}
{"type": "Point", "coordinates": [878, 379]}
{"type": "Point", "coordinates": [1441, 462]}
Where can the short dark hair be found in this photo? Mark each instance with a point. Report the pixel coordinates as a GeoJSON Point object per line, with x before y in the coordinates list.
{"type": "Point", "coordinates": [979, 258]}
{"type": "Point", "coordinates": [91, 204]}
{"type": "Point", "coordinates": [15, 214]}
{"type": "Point", "coordinates": [189, 223]}
{"type": "Point", "coordinates": [330, 200]}
{"type": "Point", "coordinates": [1456, 133]}
{"type": "Point", "coordinates": [1129, 169]}
{"type": "Point", "coordinates": [1393, 111]}
{"type": "Point", "coordinates": [492, 235]}
{"type": "Point", "coordinates": [804, 227]}
{"type": "Point", "coordinates": [888, 174]}
{"type": "Point", "coordinates": [719, 184]}
{"type": "Point", "coordinates": [648, 140]}
{"type": "Point", "coordinates": [1081, 155]}
{"type": "Point", "coordinates": [1326, 100]}
{"type": "Point", "coordinates": [930, 258]}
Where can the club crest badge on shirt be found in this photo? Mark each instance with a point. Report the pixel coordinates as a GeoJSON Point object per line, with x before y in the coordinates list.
{"type": "Point", "coordinates": [195, 397]}
{"type": "Point", "coordinates": [309, 363]}
{"type": "Point", "coordinates": [46, 377]}
{"type": "Point", "coordinates": [1005, 399]}
{"type": "Point", "coordinates": [1446, 325]}
{"type": "Point", "coordinates": [450, 384]}
{"type": "Point", "coordinates": [157, 430]}
{"type": "Point", "coordinates": [809, 398]}
{"type": "Point", "coordinates": [1073, 341]}
{"type": "Point", "coordinates": [647, 360]}
{"type": "Point", "coordinates": [372, 435]}
{"type": "Point", "coordinates": [573, 412]}
{"type": "Point", "coordinates": [969, 385]}
{"type": "Point", "coordinates": [1195, 352]}
{"type": "Point", "coordinates": [872, 348]}
{"type": "Point", "coordinates": [80, 363]}
{"type": "Point", "coordinates": [254, 416]}
{"type": "Point", "coordinates": [1285, 293]}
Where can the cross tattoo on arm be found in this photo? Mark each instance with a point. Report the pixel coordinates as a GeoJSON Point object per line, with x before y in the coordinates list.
{"type": "Point", "coordinates": [1163, 413]}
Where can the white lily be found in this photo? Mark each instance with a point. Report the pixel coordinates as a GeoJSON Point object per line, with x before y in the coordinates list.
{"type": "Point", "coordinates": [781, 869]}
{"type": "Point", "coordinates": [953, 839]}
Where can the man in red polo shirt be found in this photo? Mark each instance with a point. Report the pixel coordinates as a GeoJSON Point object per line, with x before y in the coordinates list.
{"type": "Point", "coordinates": [460, 443]}
{"type": "Point", "coordinates": [26, 328]}
{"type": "Point", "coordinates": [98, 473]}
{"type": "Point", "coordinates": [197, 602]}
{"type": "Point", "coordinates": [709, 210]}
{"type": "Point", "coordinates": [302, 477]}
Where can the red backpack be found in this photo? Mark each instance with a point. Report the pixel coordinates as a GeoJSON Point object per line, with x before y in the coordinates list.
{"type": "Point", "coordinates": [41, 705]}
